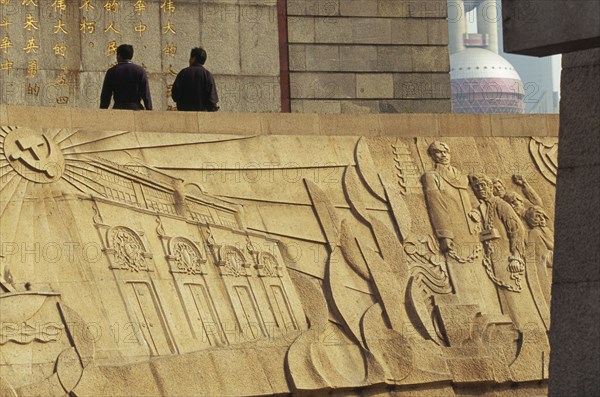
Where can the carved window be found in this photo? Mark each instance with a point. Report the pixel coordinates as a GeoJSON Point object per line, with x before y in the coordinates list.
{"type": "Point", "coordinates": [267, 265]}
{"type": "Point", "coordinates": [126, 250]}
{"type": "Point", "coordinates": [232, 261]}
{"type": "Point", "coordinates": [185, 257]}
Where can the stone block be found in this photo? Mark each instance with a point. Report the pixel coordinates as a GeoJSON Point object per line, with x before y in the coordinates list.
{"type": "Point", "coordinates": [580, 107]}
{"type": "Point", "coordinates": [590, 57]}
{"type": "Point", "coordinates": [297, 57]}
{"type": "Point", "coordinates": [428, 8]}
{"type": "Point", "coordinates": [313, 7]}
{"type": "Point", "coordinates": [316, 106]}
{"type": "Point", "coordinates": [301, 29]}
{"type": "Point", "coordinates": [574, 339]}
{"type": "Point", "coordinates": [374, 86]}
{"type": "Point", "coordinates": [229, 123]}
{"type": "Point", "coordinates": [166, 121]}
{"type": "Point", "coordinates": [553, 123]}
{"type": "Point", "coordinates": [533, 28]}
{"type": "Point", "coordinates": [395, 58]}
{"type": "Point", "coordinates": [349, 124]}
{"type": "Point", "coordinates": [519, 125]}
{"type": "Point", "coordinates": [249, 93]}
{"type": "Point", "coordinates": [358, 106]}
{"type": "Point", "coordinates": [108, 120]}
{"type": "Point", "coordinates": [371, 30]}
{"type": "Point", "coordinates": [411, 85]}
{"type": "Point", "coordinates": [290, 124]}
{"type": "Point", "coordinates": [259, 40]}
{"type": "Point", "coordinates": [361, 58]}
{"type": "Point", "coordinates": [91, 88]}
{"type": "Point", "coordinates": [159, 91]}
{"type": "Point", "coordinates": [415, 106]}
{"type": "Point", "coordinates": [409, 31]}
{"type": "Point", "coordinates": [577, 230]}
{"type": "Point", "coordinates": [430, 59]}
{"type": "Point", "coordinates": [17, 89]}
{"type": "Point", "coordinates": [220, 32]}
{"type": "Point", "coordinates": [393, 8]}
{"type": "Point", "coordinates": [465, 125]}
{"type": "Point", "coordinates": [355, 8]}
{"type": "Point", "coordinates": [409, 125]}
{"type": "Point", "coordinates": [43, 117]}
{"type": "Point", "coordinates": [322, 58]}
{"type": "Point", "coordinates": [421, 85]}
{"type": "Point", "coordinates": [322, 85]}
{"type": "Point", "coordinates": [333, 30]}
{"type": "Point", "coordinates": [437, 32]}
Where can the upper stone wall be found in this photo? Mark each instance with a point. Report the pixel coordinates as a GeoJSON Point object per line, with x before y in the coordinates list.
{"type": "Point", "coordinates": [369, 56]}
{"type": "Point", "coordinates": [42, 64]}
{"type": "Point", "coordinates": [340, 56]}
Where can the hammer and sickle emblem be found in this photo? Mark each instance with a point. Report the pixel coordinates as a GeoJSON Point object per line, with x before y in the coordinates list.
{"type": "Point", "coordinates": [35, 152]}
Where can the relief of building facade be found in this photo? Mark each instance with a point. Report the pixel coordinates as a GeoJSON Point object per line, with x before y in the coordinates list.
{"type": "Point", "coordinates": [424, 262]}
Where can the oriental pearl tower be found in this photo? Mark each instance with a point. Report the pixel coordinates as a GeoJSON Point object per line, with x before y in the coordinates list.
{"type": "Point", "coordinates": [482, 80]}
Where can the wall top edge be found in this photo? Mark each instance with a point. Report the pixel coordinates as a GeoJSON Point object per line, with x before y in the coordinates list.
{"type": "Point", "coordinates": [406, 125]}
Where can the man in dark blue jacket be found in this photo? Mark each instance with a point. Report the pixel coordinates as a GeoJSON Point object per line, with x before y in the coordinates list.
{"type": "Point", "coordinates": [126, 82]}
{"type": "Point", "coordinates": [194, 88]}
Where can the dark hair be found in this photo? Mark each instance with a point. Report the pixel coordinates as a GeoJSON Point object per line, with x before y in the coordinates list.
{"type": "Point", "coordinates": [199, 54]}
{"type": "Point", "coordinates": [125, 51]}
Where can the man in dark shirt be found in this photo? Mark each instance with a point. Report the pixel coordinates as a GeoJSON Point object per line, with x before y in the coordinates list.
{"type": "Point", "coordinates": [126, 82]}
{"type": "Point", "coordinates": [194, 88]}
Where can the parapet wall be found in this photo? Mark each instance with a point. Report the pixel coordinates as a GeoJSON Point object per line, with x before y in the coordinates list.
{"type": "Point", "coordinates": [406, 125]}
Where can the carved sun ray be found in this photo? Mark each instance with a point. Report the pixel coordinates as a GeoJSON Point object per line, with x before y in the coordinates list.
{"type": "Point", "coordinates": [11, 213]}
{"type": "Point", "coordinates": [65, 148]}
{"type": "Point", "coordinates": [8, 190]}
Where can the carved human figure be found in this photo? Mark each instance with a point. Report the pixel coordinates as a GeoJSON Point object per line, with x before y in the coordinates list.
{"type": "Point", "coordinates": [498, 188]}
{"type": "Point", "coordinates": [517, 203]}
{"type": "Point", "coordinates": [528, 190]}
{"type": "Point", "coordinates": [503, 240]}
{"type": "Point", "coordinates": [447, 195]}
{"type": "Point", "coordinates": [541, 240]}
{"type": "Point", "coordinates": [455, 226]}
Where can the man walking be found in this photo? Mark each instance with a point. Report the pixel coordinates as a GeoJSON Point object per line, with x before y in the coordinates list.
{"type": "Point", "coordinates": [126, 83]}
{"type": "Point", "coordinates": [194, 88]}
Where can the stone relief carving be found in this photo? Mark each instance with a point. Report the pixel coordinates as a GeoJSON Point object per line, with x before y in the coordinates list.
{"type": "Point", "coordinates": [127, 249]}
{"type": "Point", "coordinates": [232, 261]}
{"type": "Point", "coordinates": [186, 255]}
{"type": "Point", "coordinates": [446, 284]}
{"type": "Point", "coordinates": [545, 156]}
{"type": "Point", "coordinates": [405, 168]}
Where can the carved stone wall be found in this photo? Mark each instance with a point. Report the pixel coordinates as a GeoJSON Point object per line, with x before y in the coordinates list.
{"type": "Point", "coordinates": [55, 53]}
{"type": "Point", "coordinates": [175, 263]}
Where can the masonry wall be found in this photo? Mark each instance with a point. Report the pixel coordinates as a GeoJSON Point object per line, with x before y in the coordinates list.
{"type": "Point", "coordinates": [406, 125]}
{"type": "Point", "coordinates": [574, 335]}
{"type": "Point", "coordinates": [344, 56]}
{"type": "Point", "coordinates": [351, 56]}
{"type": "Point", "coordinates": [42, 65]}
